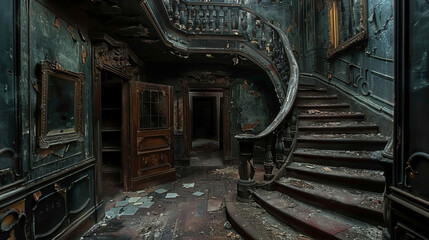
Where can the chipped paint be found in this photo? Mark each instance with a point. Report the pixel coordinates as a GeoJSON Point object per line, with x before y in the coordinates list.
{"type": "Point", "coordinates": [250, 126]}
{"type": "Point", "coordinates": [249, 89]}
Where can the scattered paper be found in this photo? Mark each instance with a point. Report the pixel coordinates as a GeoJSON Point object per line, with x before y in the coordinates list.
{"type": "Point", "coordinates": [129, 210]}
{"type": "Point", "coordinates": [189, 185]}
{"type": "Point", "coordinates": [141, 191]}
{"type": "Point", "coordinates": [160, 191]}
{"type": "Point", "coordinates": [121, 203]}
{"type": "Point", "coordinates": [137, 203]}
{"type": "Point", "coordinates": [146, 205]}
{"type": "Point", "coordinates": [113, 212]}
{"type": "Point", "coordinates": [133, 199]}
{"type": "Point", "coordinates": [171, 195]}
{"type": "Point", "coordinates": [144, 199]}
{"type": "Point", "coordinates": [327, 169]}
{"type": "Point", "coordinates": [198, 194]}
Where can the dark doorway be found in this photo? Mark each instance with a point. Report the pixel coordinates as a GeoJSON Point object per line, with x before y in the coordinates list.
{"type": "Point", "coordinates": [204, 118]}
{"type": "Point", "coordinates": [206, 128]}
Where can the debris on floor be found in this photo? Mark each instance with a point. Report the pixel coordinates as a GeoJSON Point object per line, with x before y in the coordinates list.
{"type": "Point", "coordinates": [171, 195]}
{"type": "Point", "coordinates": [179, 214]}
{"type": "Point", "coordinates": [160, 191]}
{"type": "Point", "coordinates": [188, 185]}
{"type": "Point", "coordinates": [198, 194]}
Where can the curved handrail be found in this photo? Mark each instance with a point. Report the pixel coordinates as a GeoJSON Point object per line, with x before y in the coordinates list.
{"type": "Point", "coordinates": [220, 20]}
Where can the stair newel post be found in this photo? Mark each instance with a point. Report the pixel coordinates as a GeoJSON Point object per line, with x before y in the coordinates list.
{"type": "Point", "coordinates": [279, 150]}
{"type": "Point", "coordinates": [268, 164]}
{"type": "Point", "coordinates": [246, 182]}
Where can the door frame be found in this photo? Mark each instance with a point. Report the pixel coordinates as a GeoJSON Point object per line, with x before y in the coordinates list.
{"type": "Point", "coordinates": [204, 81]}
{"type": "Point", "coordinates": [104, 54]}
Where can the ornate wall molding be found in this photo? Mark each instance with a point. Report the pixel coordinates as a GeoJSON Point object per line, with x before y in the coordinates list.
{"type": "Point", "coordinates": [115, 57]}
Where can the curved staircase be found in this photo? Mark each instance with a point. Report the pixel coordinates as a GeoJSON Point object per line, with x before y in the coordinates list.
{"type": "Point", "coordinates": [331, 188]}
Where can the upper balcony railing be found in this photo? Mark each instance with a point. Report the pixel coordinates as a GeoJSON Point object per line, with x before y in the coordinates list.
{"type": "Point", "coordinates": [208, 27]}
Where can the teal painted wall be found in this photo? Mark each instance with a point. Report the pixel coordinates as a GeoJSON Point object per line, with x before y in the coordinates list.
{"type": "Point", "coordinates": [64, 45]}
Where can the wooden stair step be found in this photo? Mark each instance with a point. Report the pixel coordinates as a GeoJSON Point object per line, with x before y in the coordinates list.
{"type": "Point", "coordinates": [251, 222]}
{"type": "Point", "coordinates": [330, 106]}
{"type": "Point", "coordinates": [361, 205]}
{"type": "Point", "coordinates": [337, 158]}
{"type": "Point", "coordinates": [310, 90]}
{"type": "Point", "coordinates": [306, 85]}
{"type": "Point", "coordinates": [362, 179]}
{"type": "Point", "coordinates": [338, 128]}
{"type": "Point", "coordinates": [352, 142]}
{"type": "Point", "coordinates": [326, 116]}
{"type": "Point", "coordinates": [320, 224]}
{"type": "Point", "coordinates": [318, 97]}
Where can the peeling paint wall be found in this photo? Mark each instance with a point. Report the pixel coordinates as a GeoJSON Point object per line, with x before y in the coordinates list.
{"type": "Point", "coordinates": [52, 38]}
{"type": "Point", "coordinates": [364, 70]}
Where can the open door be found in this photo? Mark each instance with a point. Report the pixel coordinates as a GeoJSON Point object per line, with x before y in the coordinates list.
{"type": "Point", "coordinates": [151, 117]}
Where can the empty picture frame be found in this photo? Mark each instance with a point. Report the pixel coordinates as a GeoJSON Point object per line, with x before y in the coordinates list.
{"type": "Point", "coordinates": [347, 24]}
{"type": "Point", "coordinates": [60, 105]}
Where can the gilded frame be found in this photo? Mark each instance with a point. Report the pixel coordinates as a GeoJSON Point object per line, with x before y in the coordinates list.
{"type": "Point", "coordinates": [47, 137]}
{"type": "Point", "coordinates": [334, 18]}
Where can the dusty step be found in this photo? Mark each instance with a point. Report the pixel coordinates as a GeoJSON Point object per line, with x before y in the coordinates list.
{"type": "Point", "coordinates": [337, 158]}
{"type": "Point", "coordinates": [323, 106]}
{"type": "Point", "coordinates": [253, 222]}
{"type": "Point", "coordinates": [337, 127]}
{"type": "Point", "coordinates": [326, 116]}
{"type": "Point", "coordinates": [362, 179]}
{"type": "Point", "coordinates": [307, 85]}
{"type": "Point", "coordinates": [361, 205]}
{"type": "Point", "coordinates": [320, 224]}
{"type": "Point", "coordinates": [318, 98]}
{"type": "Point", "coordinates": [351, 142]}
{"type": "Point", "coordinates": [310, 90]}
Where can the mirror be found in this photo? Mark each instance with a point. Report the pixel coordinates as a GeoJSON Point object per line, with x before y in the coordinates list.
{"type": "Point", "coordinates": [348, 24]}
{"type": "Point", "coordinates": [61, 106]}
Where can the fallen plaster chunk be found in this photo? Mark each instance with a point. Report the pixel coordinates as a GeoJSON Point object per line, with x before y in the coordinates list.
{"type": "Point", "coordinates": [171, 195]}
{"type": "Point", "coordinates": [160, 191]}
{"type": "Point", "coordinates": [121, 203]}
{"type": "Point", "coordinates": [189, 185]}
{"type": "Point", "coordinates": [133, 199]}
{"type": "Point", "coordinates": [198, 194]}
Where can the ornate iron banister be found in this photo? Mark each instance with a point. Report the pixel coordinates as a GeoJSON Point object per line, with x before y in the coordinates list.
{"type": "Point", "coordinates": [207, 27]}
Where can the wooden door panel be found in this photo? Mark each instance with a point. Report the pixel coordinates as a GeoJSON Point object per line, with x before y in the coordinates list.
{"type": "Point", "coordinates": [152, 148]}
